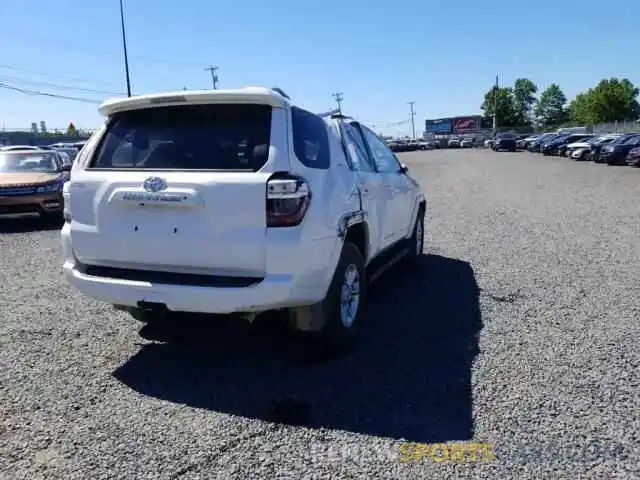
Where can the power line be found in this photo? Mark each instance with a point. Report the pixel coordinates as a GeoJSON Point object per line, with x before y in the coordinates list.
{"type": "Point", "coordinates": [45, 41]}
{"type": "Point", "coordinates": [338, 97]}
{"type": "Point", "coordinates": [56, 86]}
{"type": "Point", "coordinates": [214, 76]}
{"type": "Point", "coordinates": [413, 123]}
{"type": "Point", "coordinates": [54, 76]}
{"type": "Point", "coordinates": [47, 94]}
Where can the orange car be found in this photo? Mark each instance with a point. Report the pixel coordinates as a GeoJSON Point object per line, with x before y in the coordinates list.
{"type": "Point", "coordinates": [31, 183]}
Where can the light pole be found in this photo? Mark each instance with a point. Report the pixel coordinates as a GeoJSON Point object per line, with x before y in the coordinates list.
{"type": "Point", "coordinates": [124, 48]}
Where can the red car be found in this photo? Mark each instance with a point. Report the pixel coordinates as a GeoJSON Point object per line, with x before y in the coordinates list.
{"type": "Point", "coordinates": [633, 157]}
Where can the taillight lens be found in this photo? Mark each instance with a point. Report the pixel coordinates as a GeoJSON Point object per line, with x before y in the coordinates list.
{"type": "Point", "coordinates": [288, 199]}
{"type": "Point", "coordinates": [66, 197]}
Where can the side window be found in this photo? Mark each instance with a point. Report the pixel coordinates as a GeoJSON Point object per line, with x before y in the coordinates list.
{"type": "Point", "coordinates": [383, 157]}
{"type": "Point", "coordinates": [310, 139]}
{"type": "Point", "coordinates": [357, 149]}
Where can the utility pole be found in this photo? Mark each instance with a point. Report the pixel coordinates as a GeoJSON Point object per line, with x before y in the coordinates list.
{"type": "Point", "coordinates": [124, 48]}
{"type": "Point", "coordinates": [214, 76]}
{"type": "Point", "coordinates": [495, 107]}
{"type": "Point", "coordinates": [413, 123]}
{"type": "Point", "coordinates": [338, 97]}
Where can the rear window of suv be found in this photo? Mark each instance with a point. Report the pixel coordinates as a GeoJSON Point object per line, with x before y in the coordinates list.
{"type": "Point", "coordinates": [187, 137]}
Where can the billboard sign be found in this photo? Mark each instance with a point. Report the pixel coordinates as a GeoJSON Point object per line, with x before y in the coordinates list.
{"type": "Point", "coordinates": [466, 124]}
{"type": "Point", "coordinates": [441, 125]}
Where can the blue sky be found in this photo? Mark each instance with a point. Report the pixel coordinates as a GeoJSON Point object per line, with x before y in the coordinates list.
{"type": "Point", "coordinates": [442, 54]}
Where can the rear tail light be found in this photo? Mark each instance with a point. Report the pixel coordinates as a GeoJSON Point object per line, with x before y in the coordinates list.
{"type": "Point", "coordinates": [66, 210]}
{"type": "Point", "coordinates": [288, 199]}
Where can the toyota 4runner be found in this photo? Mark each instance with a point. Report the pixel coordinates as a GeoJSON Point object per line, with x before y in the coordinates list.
{"type": "Point", "coordinates": [236, 202]}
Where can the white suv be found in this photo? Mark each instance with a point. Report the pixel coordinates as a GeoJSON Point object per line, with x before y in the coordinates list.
{"type": "Point", "coordinates": [236, 201]}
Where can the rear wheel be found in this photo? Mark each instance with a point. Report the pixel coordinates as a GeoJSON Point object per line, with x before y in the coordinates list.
{"type": "Point", "coordinates": [344, 304]}
{"type": "Point", "coordinates": [417, 239]}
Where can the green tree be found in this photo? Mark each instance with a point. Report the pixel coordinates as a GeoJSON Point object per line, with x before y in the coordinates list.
{"type": "Point", "coordinates": [581, 108]}
{"type": "Point", "coordinates": [71, 130]}
{"type": "Point", "coordinates": [524, 97]}
{"type": "Point", "coordinates": [614, 100]}
{"type": "Point", "coordinates": [500, 99]}
{"type": "Point", "coordinates": [550, 109]}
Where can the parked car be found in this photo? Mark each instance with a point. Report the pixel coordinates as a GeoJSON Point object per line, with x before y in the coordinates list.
{"type": "Point", "coordinates": [489, 143]}
{"type": "Point", "coordinates": [505, 141]}
{"type": "Point", "coordinates": [425, 145]}
{"type": "Point", "coordinates": [467, 142]}
{"type": "Point", "coordinates": [10, 148]}
{"type": "Point", "coordinates": [582, 150]}
{"type": "Point", "coordinates": [523, 143]}
{"type": "Point", "coordinates": [70, 152]}
{"type": "Point", "coordinates": [616, 152]}
{"type": "Point", "coordinates": [187, 197]}
{"type": "Point", "coordinates": [559, 146]}
{"type": "Point", "coordinates": [547, 147]}
{"type": "Point", "coordinates": [31, 183]}
{"type": "Point", "coordinates": [404, 145]}
{"type": "Point", "coordinates": [415, 145]}
{"type": "Point", "coordinates": [537, 144]}
{"type": "Point", "coordinates": [453, 143]}
{"type": "Point", "coordinates": [596, 149]}
{"type": "Point", "coordinates": [633, 157]}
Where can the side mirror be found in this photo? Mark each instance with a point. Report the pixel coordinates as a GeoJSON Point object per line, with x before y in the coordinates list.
{"type": "Point", "coordinates": [403, 168]}
{"type": "Point", "coordinates": [66, 168]}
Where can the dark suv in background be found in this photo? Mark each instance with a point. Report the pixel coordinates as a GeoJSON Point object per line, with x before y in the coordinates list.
{"type": "Point", "coordinates": [505, 141]}
{"type": "Point", "coordinates": [616, 152]}
{"type": "Point", "coordinates": [558, 145]}
{"type": "Point", "coordinates": [537, 145]}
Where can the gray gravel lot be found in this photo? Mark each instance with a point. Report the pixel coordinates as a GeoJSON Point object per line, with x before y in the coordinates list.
{"type": "Point", "coordinates": [519, 329]}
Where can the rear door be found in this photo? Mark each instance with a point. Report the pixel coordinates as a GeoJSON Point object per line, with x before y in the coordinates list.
{"type": "Point", "coordinates": [370, 183]}
{"type": "Point", "coordinates": [398, 187]}
{"type": "Point", "coordinates": [180, 188]}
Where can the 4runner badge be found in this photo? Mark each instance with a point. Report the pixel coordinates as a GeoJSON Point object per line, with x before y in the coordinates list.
{"type": "Point", "coordinates": [154, 184]}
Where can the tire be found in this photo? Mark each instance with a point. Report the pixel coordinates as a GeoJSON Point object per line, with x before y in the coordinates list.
{"type": "Point", "coordinates": [340, 327]}
{"type": "Point", "coordinates": [417, 238]}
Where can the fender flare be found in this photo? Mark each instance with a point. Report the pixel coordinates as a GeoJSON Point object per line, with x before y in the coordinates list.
{"type": "Point", "coordinates": [420, 201]}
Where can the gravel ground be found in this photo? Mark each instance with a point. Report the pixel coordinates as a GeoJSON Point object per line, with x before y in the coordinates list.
{"type": "Point", "coordinates": [519, 331]}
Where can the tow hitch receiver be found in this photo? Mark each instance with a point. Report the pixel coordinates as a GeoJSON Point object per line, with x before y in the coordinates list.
{"type": "Point", "coordinates": [155, 308]}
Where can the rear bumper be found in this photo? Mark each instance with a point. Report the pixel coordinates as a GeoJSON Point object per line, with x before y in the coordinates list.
{"type": "Point", "coordinates": [40, 203]}
{"type": "Point", "coordinates": [274, 292]}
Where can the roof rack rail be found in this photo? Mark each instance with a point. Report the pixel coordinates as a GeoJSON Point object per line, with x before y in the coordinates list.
{"type": "Point", "coordinates": [341, 116]}
{"type": "Point", "coordinates": [330, 113]}
{"type": "Point", "coordinates": [281, 92]}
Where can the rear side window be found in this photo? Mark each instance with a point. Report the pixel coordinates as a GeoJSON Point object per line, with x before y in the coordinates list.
{"type": "Point", "coordinates": [310, 139]}
{"type": "Point", "coordinates": [187, 137]}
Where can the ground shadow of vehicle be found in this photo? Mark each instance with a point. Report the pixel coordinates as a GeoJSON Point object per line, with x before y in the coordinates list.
{"type": "Point", "coordinates": [409, 376]}
{"type": "Point", "coordinates": [27, 225]}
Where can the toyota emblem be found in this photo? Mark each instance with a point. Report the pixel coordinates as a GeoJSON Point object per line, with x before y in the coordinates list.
{"type": "Point", "coordinates": [154, 184]}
